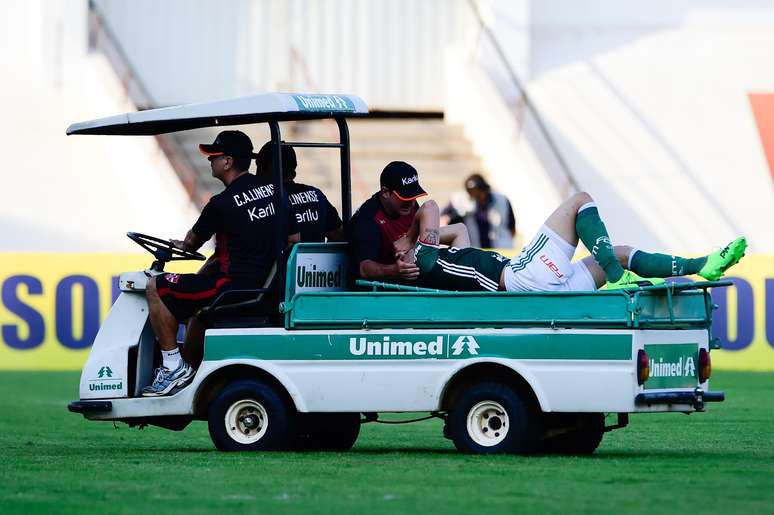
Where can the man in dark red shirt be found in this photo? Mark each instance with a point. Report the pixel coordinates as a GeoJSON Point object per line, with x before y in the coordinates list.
{"type": "Point", "coordinates": [387, 216]}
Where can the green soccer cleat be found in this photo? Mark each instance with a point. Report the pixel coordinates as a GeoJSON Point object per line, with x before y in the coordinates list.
{"type": "Point", "coordinates": [721, 260]}
{"type": "Point", "coordinates": [630, 281]}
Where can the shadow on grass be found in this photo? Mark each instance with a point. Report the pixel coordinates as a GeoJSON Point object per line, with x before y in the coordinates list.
{"type": "Point", "coordinates": [600, 456]}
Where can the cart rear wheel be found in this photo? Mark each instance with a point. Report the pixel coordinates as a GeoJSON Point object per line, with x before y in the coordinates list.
{"type": "Point", "coordinates": [491, 418]}
{"type": "Point", "coordinates": [250, 416]}
{"type": "Point", "coordinates": [327, 431]}
{"type": "Point", "coordinates": [582, 441]}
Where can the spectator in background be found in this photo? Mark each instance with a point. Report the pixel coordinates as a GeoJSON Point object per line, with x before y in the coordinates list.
{"type": "Point", "coordinates": [317, 219]}
{"type": "Point", "coordinates": [487, 215]}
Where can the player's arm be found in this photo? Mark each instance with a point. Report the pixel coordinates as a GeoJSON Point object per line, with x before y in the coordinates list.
{"type": "Point", "coordinates": [294, 231]}
{"type": "Point", "coordinates": [402, 269]}
{"type": "Point", "coordinates": [210, 266]}
{"type": "Point", "coordinates": [336, 234]}
{"type": "Point", "coordinates": [455, 235]}
{"type": "Point", "coordinates": [425, 225]}
{"type": "Point", "coordinates": [365, 242]}
{"type": "Point", "coordinates": [207, 224]}
{"type": "Point", "coordinates": [192, 242]}
{"type": "Point", "coordinates": [334, 230]}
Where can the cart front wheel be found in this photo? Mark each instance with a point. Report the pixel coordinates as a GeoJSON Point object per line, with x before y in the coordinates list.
{"type": "Point", "coordinates": [250, 416]}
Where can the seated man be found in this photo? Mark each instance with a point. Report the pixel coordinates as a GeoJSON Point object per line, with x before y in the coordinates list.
{"type": "Point", "coordinates": [384, 218]}
{"type": "Point", "coordinates": [317, 219]}
{"type": "Point", "coordinates": [243, 218]}
{"type": "Point", "coordinates": [544, 264]}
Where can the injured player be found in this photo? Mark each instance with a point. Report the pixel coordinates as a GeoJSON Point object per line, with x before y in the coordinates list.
{"type": "Point", "coordinates": [545, 264]}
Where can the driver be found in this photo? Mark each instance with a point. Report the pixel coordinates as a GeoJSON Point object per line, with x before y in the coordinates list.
{"type": "Point", "coordinates": [243, 218]}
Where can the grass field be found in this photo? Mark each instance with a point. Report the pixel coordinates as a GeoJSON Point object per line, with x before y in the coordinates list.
{"type": "Point", "coordinates": [53, 461]}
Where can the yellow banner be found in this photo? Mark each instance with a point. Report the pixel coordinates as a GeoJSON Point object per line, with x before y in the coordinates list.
{"type": "Point", "coordinates": [51, 306]}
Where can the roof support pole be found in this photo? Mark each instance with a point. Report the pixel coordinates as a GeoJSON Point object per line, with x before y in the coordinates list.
{"type": "Point", "coordinates": [282, 207]}
{"type": "Point", "coordinates": [346, 178]}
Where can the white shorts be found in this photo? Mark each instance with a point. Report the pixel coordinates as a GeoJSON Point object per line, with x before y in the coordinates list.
{"type": "Point", "coordinates": [545, 265]}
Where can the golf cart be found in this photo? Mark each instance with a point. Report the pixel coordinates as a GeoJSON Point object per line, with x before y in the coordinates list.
{"type": "Point", "coordinates": [304, 361]}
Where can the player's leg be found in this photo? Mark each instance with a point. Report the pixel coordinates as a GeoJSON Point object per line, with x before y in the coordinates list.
{"type": "Point", "coordinates": [578, 218]}
{"type": "Point", "coordinates": [173, 370]}
{"type": "Point", "coordinates": [591, 230]}
{"type": "Point", "coordinates": [630, 278]}
{"type": "Point", "coordinates": [710, 267]}
{"type": "Point", "coordinates": [593, 233]}
{"type": "Point", "coordinates": [650, 264]}
{"type": "Point", "coordinates": [164, 326]}
{"type": "Point", "coordinates": [562, 220]}
{"type": "Point", "coordinates": [622, 254]}
{"type": "Point", "coordinates": [455, 235]}
{"type": "Point", "coordinates": [175, 297]}
{"type": "Point", "coordinates": [193, 350]}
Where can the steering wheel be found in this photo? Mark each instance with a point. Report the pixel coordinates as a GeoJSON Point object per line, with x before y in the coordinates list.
{"type": "Point", "coordinates": [163, 250]}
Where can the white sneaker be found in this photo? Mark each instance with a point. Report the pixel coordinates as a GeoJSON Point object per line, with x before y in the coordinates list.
{"type": "Point", "coordinates": [166, 381]}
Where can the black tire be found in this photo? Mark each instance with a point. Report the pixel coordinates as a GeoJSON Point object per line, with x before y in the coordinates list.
{"type": "Point", "coordinates": [501, 421]}
{"type": "Point", "coordinates": [251, 416]}
{"type": "Point", "coordinates": [327, 431]}
{"type": "Point", "coordinates": [580, 442]}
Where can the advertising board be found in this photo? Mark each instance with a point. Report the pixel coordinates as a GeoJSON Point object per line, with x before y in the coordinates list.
{"type": "Point", "coordinates": [52, 304]}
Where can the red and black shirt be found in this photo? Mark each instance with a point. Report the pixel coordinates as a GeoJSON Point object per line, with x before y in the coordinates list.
{"type": "Point", "coordinates": [243, 219]}
{"type": "Point", "coordinates": [373, 232]}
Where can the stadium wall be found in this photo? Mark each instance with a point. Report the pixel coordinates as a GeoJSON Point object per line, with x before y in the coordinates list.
{"type": "Point", "coordinates": [196, 50]}
{"type": "Point", "coordinates": [52, 304]}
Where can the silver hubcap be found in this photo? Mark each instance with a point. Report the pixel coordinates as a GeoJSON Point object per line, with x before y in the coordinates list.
{"type": "Point", "coordinates": [246, 421]}
{"type": "Point", "coordinates": [488, 423]}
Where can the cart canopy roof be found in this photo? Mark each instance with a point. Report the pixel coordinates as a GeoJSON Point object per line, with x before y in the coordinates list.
{"type": "Point", "coordinates": [237, 111]}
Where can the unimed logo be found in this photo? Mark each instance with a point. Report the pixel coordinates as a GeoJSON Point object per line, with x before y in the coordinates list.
{"type": "Point", "coordinates": [467, 343]}
{"type": "Point", "coordinates": [389, 347]}
{"type": "Point", "coordinates": [433, 346]}
{"type": "Point", "coordinates": [683, 367]}
{"type": "Point", "coordinates": [105, 380]}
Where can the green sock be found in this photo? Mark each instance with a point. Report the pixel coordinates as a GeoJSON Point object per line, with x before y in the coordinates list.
{"type": "Point", "coordinates": [592, 232]}
{"type": "Point", "coordinates": [648, 264]}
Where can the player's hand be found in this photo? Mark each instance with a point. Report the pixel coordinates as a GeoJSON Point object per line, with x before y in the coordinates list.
{"type": "Point", "coordinates": [180, 244]}
{"type": "Point", "coordinates": [408, 271]}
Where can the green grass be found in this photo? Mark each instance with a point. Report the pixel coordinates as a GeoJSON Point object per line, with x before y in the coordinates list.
{"type": "Point", "coordinates": [52, 461]}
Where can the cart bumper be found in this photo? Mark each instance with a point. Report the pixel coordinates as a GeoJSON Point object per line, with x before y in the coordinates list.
{"type": "Point", "coordinates": [696, 398]}
{"type": "Point", "coordinates": [85, 407]}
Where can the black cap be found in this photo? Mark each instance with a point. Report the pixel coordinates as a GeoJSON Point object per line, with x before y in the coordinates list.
{"type": "Point", "coordinates": [229, 143]}
{"type": "Point", "coordinates": [403, 179]}
{"type": "Point", "coordinates": [264, 158]}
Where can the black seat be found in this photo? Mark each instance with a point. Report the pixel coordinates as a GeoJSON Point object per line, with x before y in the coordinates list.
{"type": "Point", "coordinates": [257, 307]}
